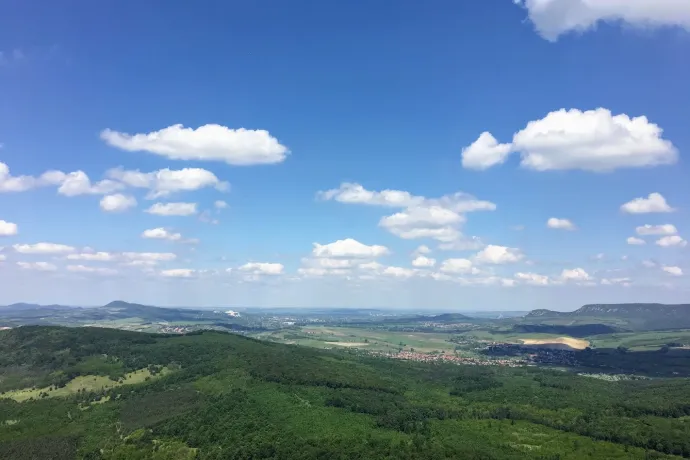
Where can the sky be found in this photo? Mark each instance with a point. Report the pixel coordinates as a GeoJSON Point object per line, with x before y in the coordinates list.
{"type": "Point", "coordinates": [474, 155]}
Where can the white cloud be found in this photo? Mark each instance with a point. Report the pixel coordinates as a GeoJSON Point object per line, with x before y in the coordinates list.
{"type": "Point", "coordinates": [561, 224]}
{"type": "Point", "coordinates": [593, 140]}
{"type": "Point", "coordinates": [423, 262]}
{"type": "Point", "coordinates": [43, 248]}
{"type": "Point", "coordinates": [665, 229]}
{"type": "Point", "coordinates": [655, 202]}
{"type": "Point", "coordinates": [166, 181]}
{"type": "Point", "coordinates": [533, 279]}
{"type": "Point", "coordinates": [10, 183]}
{"type": "Point", "coordinates": [649, 263]}
{"type": "Point", "coordinates": [220, 204]}
{"type": "Point", "coordinates": [493, 254]}
{"type": "Point", "coordinates": [37, 266]}
{"type": "Point", "coordinates": [463, 243]}
{"type": "Point", "coordinates": [93, 256]}
{"type": "Point", "coordinates": [636, 241]}
{"type": "Point", "coordinates": [149, 256]}
{"type": "Point", "coordinates": [349, 248]}
{"type": "Point", "coordinates": [575, 274]}
{"type": "Point", "coordinates": [161, 234]}
{"type": "Point", "coordinates": [178, 273]}
{"type": "Point", "coordinates": [117, 202]}
{"type": "Point", "coordinates": [351, 193]}
{"type": "Point", "coordinates": [423, 249]}
{"type": "Point", "coordinates": [446, 234]}
{"type": "Point", "coordinates": [208, 142]}
{"type": "Point", "coordinates": [456, 266]}
{"type": "Point", "coordinates": [85, 269]}
{"type": "Point", "coordinates": [263, 268]}
{"type": "Point", "coordinates": [552, 18]}
{"type": "Point", "coordinates": [485, 152]}
{"type": "Point", "coordinates": [431, 216]}
{"type": "Point", "coordinates": [8, 228]}
{"type": "Point", "coordinates": [78, 183]}
{"type": "Point", "coordinates": [327, 263]}
{"type": "Point", "coordinates": [173, 209]}
{"type": "Point", "coordinates": [435, 218]}
{"type": "Point", "coordinates": [674, 240]}
{"type": "Point", "coordinates": [626, 282]}
{"type": "Point", "coordinates": [675, 271]}
{"type": "Point", "coordinates": [398, 272]}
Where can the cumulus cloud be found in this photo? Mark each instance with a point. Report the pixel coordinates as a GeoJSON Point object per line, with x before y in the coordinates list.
{"type": "Point", "coordinates": [161, 233]}
{"type": "Point", "coordinates": [552, 18]}
{"type": "Point", "coordinates": [423, 262]}
{"type": "Point", "coordinates": [262, 268]}
{"type": "Point", "coordinates": [349, 248]}
{"type": "Point", "coordinates": [593, 140]}
{"type": "Point", "coordinates": [665, 229]}
{"type": "Point", "coordinates": [178, 273]}
{"type": "Point", "coordinates": [398, 272]}
{"type": "Point", "coordinates": [485, 152]}
{"type": "Point", "coordinates": [493, 254]}
{"type": "Point", "coordinates": [173, 209]}
{"type": "Point", "coordinates": [560, 224]}
{"type": "Point", "coordinates": [207, 143]}
{"type": "Point", "coordinates": [37, 266]}
{"type": "Point", "coordinates": [675, 271]}
{"type": "Point", "coordinates": [69, 184]}
{"type": "Point", "coordinates": [10, 183]}
{"type": "Point", "coordinates": [8, 228]}
{"type": "Point", "coordinates": [117, 202]}
{"type": "Point", "coordinates": [96, 270]}
{"type": "Point", "coordinates": [668, 241]}
{"type": "Point", "coordinates": [93, 256]}
{"type": "Point", "coordinates": [43, 248]}
{"type": "Point", "coordinates": [78, 183]}
{"type": "Point", "coordinates": [421, 217]}
{"type": "Point", "coordinates": [655, 202]}
{"type": "Point", "coordinates": [575, 274]}
{"type": "Point", "coordinates": [636, 241]}
{"type": "Point", "coordinates": [533, 279]}
{"type": "Point", "coordinates": [149, 256]}
{"type": "Point", "coordinates": [220, 204]}
{"type": "Point", "coordinates": [352, 193]}
{"type": "Point", "coordinates": [457, 266]}
{"type": "Point", "coordinates": [423, 249]}
{"type": "Point", "coordinates": [166, 181]}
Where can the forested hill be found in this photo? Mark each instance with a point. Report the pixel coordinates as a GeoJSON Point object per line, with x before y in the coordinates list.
{"type": "Point", "coordinates": [90, 393]}
{"type": "Point", "coordinates": [640, 315]}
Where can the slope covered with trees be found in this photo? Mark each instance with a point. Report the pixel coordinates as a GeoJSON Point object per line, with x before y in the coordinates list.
{"type": "Point", "coordinates": [231, 397]}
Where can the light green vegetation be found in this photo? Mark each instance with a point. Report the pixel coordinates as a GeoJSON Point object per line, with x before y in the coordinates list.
{"type": "Point", "coordinates": [366, 339]}
{"type": "Point", "coordinates": [651, 340]}
{"type": "Point", "coordinates": [83, 383]}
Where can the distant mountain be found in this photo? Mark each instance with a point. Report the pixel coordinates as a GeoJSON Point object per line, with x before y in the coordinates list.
{"type": "Point", "coordinates": [635, 315]}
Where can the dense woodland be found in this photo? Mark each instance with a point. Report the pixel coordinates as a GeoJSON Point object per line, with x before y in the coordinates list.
{"type": "Point", "coordinates": [231, 397]}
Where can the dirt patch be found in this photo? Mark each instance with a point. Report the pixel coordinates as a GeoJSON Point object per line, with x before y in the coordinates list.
{"type": "Point", "coordinates": [348, 344]}
{"type": "Point", "coordinates": [577, 344]}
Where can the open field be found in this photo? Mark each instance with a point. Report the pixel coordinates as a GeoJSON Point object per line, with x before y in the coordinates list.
{"type": "Point", "coordinates": [423, 342]}
{"type": "Point", "coordinates": [640, 341]}
{"type": "Point", "coordinates": [577, 344]}
{"type": "Point", "coordinates": [83, 383]}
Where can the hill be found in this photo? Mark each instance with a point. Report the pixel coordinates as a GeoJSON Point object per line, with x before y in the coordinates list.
{"type": "Point", "coordinates": [30, 314]}
{"type": "Point", "coordinates": [638, 316]}
{"type": "Point", "coordinates": [92, 393]}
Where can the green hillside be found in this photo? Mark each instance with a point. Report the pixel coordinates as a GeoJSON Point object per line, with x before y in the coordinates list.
{"type": "Point", "coordinates": [214, 395]}
{"type": "Point", "coordinates": [633, 316]}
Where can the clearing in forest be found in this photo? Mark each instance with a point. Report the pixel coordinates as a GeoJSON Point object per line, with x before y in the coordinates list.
{"type": "Point", "coordinates": [578, 344]}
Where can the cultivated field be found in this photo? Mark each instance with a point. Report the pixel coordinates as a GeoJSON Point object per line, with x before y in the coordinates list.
{"type": "Point", "coordinates": [83, 383]}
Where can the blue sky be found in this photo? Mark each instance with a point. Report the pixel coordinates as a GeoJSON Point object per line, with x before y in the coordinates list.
{"type": "Point", "coordinates": [263, 105]}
